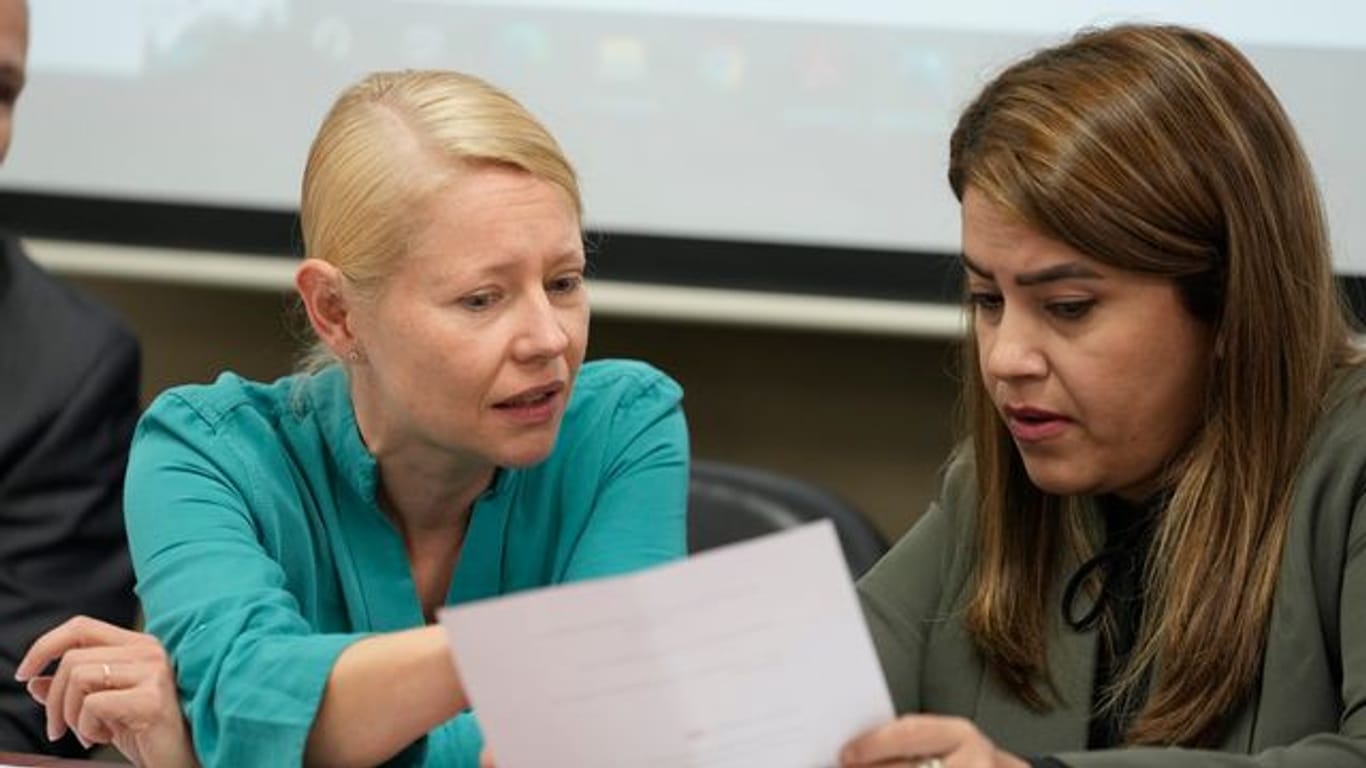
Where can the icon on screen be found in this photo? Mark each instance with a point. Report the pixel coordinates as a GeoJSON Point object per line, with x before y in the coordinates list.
{"type": "Point", "coordinates": [926, 95]}
{"type": "Point", "coordinates": [723, 67]}
{"type": "Point", "coordinates": [523, 45]}
{"type": "Point", "coordinates": [924, 66]}
{"type": "Point", "coordinates": [622, 59]}
{"type": "Point", "coordinates": [819, 67]}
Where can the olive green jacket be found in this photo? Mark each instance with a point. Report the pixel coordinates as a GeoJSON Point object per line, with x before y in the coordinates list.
{"type": "Point", "coordinates": [1310, 707]}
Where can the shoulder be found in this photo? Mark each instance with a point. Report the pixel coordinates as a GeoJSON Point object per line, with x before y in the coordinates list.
{"type": "Point", "coordinates": [33, 300]}
{"type": "Point", "coordinates": [62, 353]}
{"type": "Point", "coordinates": [952, 515]}
{"type": "Point", "coordinates": [619, 407]}
{"type": "Point", "coordinates": [233, 441]}
{"type": "Point", "coordinates": [1331, 484]}
{"type": "Point", "coordinates": [207, 409]}
{"type": "Point", "coordinates": [605, 387]}
{"type": "Point", "coordinates": [939, 541]}
{"type": "Point", "coordinates": [625, 378]}
{"type": "Point", "coordinates": [58, 340]}
{"type": "Point", "coordinates": [1344, 409]}
{"type": "Point", "coordinates": [1338, 442]}
{"type": "Point", "coordinates": [958, 485]}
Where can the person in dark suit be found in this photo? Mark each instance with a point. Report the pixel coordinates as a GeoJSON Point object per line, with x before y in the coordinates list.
{"type": "Point", "coordinates": [69, 375]}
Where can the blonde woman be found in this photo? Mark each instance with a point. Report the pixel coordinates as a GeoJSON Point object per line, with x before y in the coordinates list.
{"type": "Point", "coordinates": [294, 540]}
{"type": "Point", "coordinates": [1152, 549]}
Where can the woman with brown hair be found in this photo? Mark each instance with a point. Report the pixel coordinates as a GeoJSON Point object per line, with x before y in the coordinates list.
{"type": "Point", "coordinates": [1151, 550]}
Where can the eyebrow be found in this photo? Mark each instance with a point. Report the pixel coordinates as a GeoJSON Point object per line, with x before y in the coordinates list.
{"type": "Point", "coordinates": [512, 265]}
{"type": "Point", "coordinates": [1065, 271]}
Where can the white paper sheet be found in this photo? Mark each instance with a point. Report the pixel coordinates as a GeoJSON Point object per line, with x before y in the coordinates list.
{"type": "Point", "coordinates": [754, 654]}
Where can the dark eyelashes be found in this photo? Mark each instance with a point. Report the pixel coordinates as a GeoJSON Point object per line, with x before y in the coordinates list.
{"type": "Point", "coordinates": [1070, 309]}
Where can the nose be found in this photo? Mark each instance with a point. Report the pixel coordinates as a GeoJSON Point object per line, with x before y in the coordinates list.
{"type": "Point", "coordinates": [542, 333]}
{"type": "Point", "coordinates": [1011, 348]}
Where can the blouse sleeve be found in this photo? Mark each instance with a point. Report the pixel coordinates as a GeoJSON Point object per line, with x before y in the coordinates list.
{"type": "Point", "coordinates": [250, 668]}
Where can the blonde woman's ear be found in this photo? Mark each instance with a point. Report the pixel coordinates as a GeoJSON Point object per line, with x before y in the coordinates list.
{"type": "Point", "coordinates": [320, 288]}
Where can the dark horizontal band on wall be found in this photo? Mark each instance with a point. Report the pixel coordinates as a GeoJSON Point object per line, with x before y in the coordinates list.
{"type": "Point", "coordinates": [732, 264]}
{"type": "Point", "coordinates": [628, 257]}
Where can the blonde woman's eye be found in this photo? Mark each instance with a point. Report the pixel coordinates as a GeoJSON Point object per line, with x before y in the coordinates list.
{"type": "Point", "coordinates": [478, 302]}
{"type": "Point", "coordinates": [565, 284]}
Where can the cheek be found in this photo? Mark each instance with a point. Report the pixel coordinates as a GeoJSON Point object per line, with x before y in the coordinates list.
{"type": "Point", "coordinates": [1147, 403]}
{"type": "Point", "coordinates": [981, 341]}
{"type": "Point", "coordinates": [576, 328]}
{"type": "Point", "coordinates": [1182, 402]}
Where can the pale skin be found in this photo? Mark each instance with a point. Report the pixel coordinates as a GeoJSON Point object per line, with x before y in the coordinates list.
{"type": "Point", "coordinates": [914, 739]}
{"type": "Point", "coordinates": [486, 308]}
{"type": "Point", "coordinates": [111, 686]}
{"type": "Point", "coordinates": [486, 314]}
{"type": "Point", "coordinates": [135, 706]}
{"type": "Point", "coordinates": [1100, 374]}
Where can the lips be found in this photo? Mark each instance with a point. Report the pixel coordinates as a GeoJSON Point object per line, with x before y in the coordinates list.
{"type": "Point", "coordinates": [534, 405]}
{"type": "Point", "coordinates": [1033, 425]}
{"type": "Point", "coordinates": [532, 396]}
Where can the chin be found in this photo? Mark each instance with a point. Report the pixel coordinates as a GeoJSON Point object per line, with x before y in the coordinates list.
{"type": "Point", "coordinates": [525, 456]}
{"type": "Point", "coordinates": [1059, 481]}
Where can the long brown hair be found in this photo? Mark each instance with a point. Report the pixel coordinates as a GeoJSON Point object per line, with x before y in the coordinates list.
{"type": "Point", "coordinates": [1160, 150]}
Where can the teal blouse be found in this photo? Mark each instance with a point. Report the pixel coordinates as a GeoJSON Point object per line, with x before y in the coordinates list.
{"type": "Point", "coordinates": [261, 554]}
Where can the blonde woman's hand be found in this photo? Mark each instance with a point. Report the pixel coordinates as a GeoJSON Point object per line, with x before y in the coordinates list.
{"type": "Point", "coordinates": [929, 741]}
{"type": "Point", "coordinates": [111, 686]}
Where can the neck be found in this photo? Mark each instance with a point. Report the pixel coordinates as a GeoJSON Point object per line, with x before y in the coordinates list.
{"type": "Point", "coordinates": [421, 487]}
{"type": "Point", "coordinates": [430, 499]}
{"type": "Point", "coordinates": [432, 513]}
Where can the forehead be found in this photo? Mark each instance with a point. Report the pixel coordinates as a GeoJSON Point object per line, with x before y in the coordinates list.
{"type": "Point", "coordinates": [495, 211]}
{"type": "Point", "coordinates": [477, 190]}
{"type": "Point", "coordinates": [997, 240]}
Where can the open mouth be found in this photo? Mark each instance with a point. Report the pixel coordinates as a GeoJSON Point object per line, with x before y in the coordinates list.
{"type": "Point", "coordinates": [535, 404]}
{"type": "Point", "coordinates": [1033, 424]}
{"type": "Point", "coordinates": [528, 400]}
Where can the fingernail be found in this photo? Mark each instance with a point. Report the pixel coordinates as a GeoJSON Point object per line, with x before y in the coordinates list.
{"type": "Point", "coordinates": [33, 691]}
{"type": "Point", "coordinates": [20, 676]}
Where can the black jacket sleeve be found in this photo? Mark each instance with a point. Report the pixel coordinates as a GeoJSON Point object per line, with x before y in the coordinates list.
{"type": "Point", "coordinates": [69, 374]}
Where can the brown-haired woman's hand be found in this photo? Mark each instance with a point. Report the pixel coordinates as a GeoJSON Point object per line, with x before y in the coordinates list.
{"type": "Point", "coordinates": [927, 741]}
{"type": "Point", "coordinates": [111, 686]}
